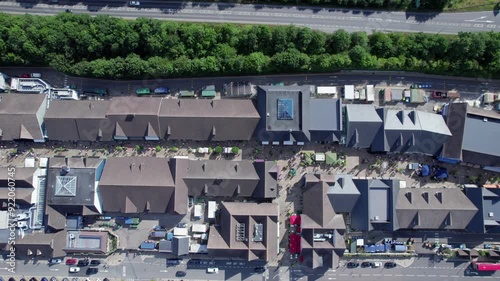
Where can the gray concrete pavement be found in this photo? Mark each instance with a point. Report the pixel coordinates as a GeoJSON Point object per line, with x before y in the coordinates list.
{"type": "Point", "coordinates": [326, 19]}
{"type": "Point", "coordinates": [469, 87]}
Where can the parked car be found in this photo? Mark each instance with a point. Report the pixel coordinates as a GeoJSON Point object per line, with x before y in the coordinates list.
{"type": "Point", "coordinates": [95, 262]}
{"type": "Point", "coordinates": [71, 261]}
{"type": "Point", "coordinates": [25, 75]}
{"type": "Point", "coordinates": [352, 264]}
{"type": "Point", "coordinates": [173, 262]}
{"type": "Point", "coordinates": [390, 264]}
{"type": "Point", "coordinates": [22, 225]}
{"type": "Point", "coordinates": [55, 261]}
{"type": "Point", "coordinates": [36, 75]}
{"type": "Point", "coordinates": [53, 279]}
{"type": "Point", "coordinates": [194, 261]}
{"type": "Point", "coordinates": [469, 272]}
{"type": "Point", "coordinates": [180, 274]}
{"type": "Point", "coordinates": [74, 269]}
{"type": "Point", "coordinates": [82, 263]}
{"type": "Point", "coordinates": [260, 269]}
{"type": "Point", "coordinates": [377, 264]}
{"type": "Point", "coordinates": [134, 3]}
{"type": "Point", "coordinates": [92, 270]}
{"type": "Point", "coordinates": [44, 279]}
{"type": "Point", "coordinates": [367, 264]}
{"type": "Point", "coordinates": [212, 270]}
{"type": "Point", "coordinates": [161, 90]}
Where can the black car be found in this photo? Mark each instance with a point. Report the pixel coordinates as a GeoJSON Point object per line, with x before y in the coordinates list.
{"type": "Point", "coordinates": [260, 269]}
{"type": "Point", "coordinates": [173, 262]}
{"type": "Point", "coordinates": [194, 261]}
{"type": "Point", "coordinates": [82, 263]}
{"type": "Point", "coordinates": [352, 264]}
{"type": "Point", "coordinates": [12, 279]}
{"type": "Point", "coordinates": [367, 264]}
{"type": "Point", "coordinates": [390, 264]}
{"type": "Point", "coordinates": [95, 262]}
{"type": "Point", "coordinates": [92, 270]}
{"type": "Point", "coordinates": [180, 274]}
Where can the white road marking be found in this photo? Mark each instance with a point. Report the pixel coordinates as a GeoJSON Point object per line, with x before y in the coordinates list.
{"type": "Point", "coordinates": [54, 269]}
{"type": "Point", "coordinates": [124, 270]}
{"type": "Point", "coordinates": [163, 270]}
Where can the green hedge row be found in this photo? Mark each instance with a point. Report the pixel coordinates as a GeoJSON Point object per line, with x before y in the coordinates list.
{"type": "Point", "coordinates": [106, 47]}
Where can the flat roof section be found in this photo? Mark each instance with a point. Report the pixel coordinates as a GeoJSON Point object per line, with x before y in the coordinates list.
{"type": "Point", "coordinates": [378, 205]}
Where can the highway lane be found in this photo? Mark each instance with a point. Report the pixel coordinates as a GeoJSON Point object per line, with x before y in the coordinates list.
{"type": "Point", "coordinates": [469, 87]}
{"type": "Point", "coordinates": [325, 19]}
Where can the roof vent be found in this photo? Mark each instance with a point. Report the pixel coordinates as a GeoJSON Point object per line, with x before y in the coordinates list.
{"type": "Point", "coordinates": [204, 167]}
{"type": "Point", "coordinates": [179, 103]}
{"type": "Point", "coordinates": [212, 103]}
{"type": "Point", "coordinates": [376, 218]}
{"type": "Point", "coordinates": [490, 214]}
{"type": "Point", "coordinates": [65, 170]}
{"type": "Point", "coordinates": [485, 119]}
{"type": "Point", "coordinates": [132, 166]}
{"type": "Point", "coordinates": [141, 166]}
{"type": "Point", "coordinates": [267, 114]}
{"type": "Point", "coordinates": [90, 105]}
{"type": "Point", "coordinates": [236, 168]}
{"type": "Point", "coordinates": [290, 130]}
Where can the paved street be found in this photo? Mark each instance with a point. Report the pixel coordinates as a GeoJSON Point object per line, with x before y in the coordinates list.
{"type": "Point", "coordinates": [143, 268]}
{"type": "Point", "coordinates": [324, 19]}
{"type": "Point", "coordinates": [469, 87]}
{"type": "Point", "coordinates": [419, 269]}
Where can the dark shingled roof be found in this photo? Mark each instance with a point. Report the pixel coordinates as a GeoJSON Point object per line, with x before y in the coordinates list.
{"type": "Point", "coordinates": [68, 120]}
{"type": "Point", "coordinates": [21, 116]}
{"type": "Point", "coordinates": [222, 238]}
{"type": "Point", "coordinates": [137, 184]}
{"type": "Point", "coordinates": [426, 208]}
{"type": "Point", "coordinates": [319, 218]}
{"type": "Point", "coordinates": [220, 178]}
{"type": "Point", "coordinates": [24, 184]}
{"type": "Point", "coordinates": [135, 117]}
{"type": "Point", "coordinates": [41, 245]}
{"type": "Point", "coordinates": [71, 188]}
{"type": "Point", "coordinates": [201, 119]}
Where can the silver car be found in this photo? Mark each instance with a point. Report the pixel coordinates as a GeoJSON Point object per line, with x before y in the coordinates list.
{"type": "Point", "coordinates": [134, 3]}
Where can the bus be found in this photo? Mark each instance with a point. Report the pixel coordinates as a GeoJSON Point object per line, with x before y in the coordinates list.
{"type": "Point", "coordinates": [143, 91]}
{"type": "Point", "coordinates": [486, 266]}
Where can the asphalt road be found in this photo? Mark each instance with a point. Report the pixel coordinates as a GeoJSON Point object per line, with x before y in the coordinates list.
{"type": "Point", "coordinates": [324, 19]}
{"type": "Point", "coordinates": [469, 87]}
{"type": "Point", "coordinates": [420, 269]}
{"type": "Point", "coordinates": [139, 268]}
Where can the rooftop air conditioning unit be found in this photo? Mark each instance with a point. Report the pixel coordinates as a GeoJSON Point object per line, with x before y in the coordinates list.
{"type": "Point", "coordinates": [490, 214]}
{"type": "Point", "coordinates": [376, 218]}
{"type": "Point", "coordinates": [71, 236]}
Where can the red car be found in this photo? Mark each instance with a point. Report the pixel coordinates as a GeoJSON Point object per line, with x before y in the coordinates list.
{"type": "Point", "coordinates": [71, 261]}
{"type": "Point", "coordinates": [25, 75]}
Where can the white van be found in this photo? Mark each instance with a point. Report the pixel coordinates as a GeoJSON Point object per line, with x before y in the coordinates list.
{"type": "Point", "coordinates": [212, 270]}
{"type": "Point", "coordinates": [377, 264]}
{"type": "Point", "coordinates": [36, 75]}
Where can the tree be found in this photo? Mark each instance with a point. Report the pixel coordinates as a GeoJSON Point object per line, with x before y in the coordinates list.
{"type": "Point", "coordinates": [218, 150]}
{"type": "Point", "coordinates": [339, 42]}
{"type": "Point", "coordinates": [381, 45]}
{"type": "Point", "coordinates": [290, 61]}
{"type": "Point", "coordinates": [360, 39]}
{"type": "Point", "coordinates": [235, 150]}
{"type": "Point", "coordinates": [158, 148]}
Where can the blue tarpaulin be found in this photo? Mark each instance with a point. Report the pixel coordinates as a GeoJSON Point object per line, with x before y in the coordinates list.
{"type": "Point", "coordinates": [375, 248]}
{"type": "Point", "coordinates": [369, 248]}
{"type": "Point", "coordinates": [400, 248]}
{"type": "Point", "coordinates": [426, 170]}
{"type": "Point", "coordinates": [148, 245]}
{"type": "Point", "coordinates": [170, 236]}
{"type": "Point", "coordinates": [441, 173]}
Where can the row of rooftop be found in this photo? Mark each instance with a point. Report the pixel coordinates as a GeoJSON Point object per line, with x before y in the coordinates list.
{"type": "Point", "coordinates": [280, 115]}
{"type": "Point", "coordinates": [130, 186]}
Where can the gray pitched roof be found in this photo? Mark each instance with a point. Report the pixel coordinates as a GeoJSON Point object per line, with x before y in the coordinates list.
{"type": "Point", "coordinates": [41, 245]}
{"type": "Point", "coordinates": [455, 120]}
{"type": "Point", "coordinates": [481, 150]}
{"type": "Point", "coordinates": [201, 119]}
{"type": "Point", "coordinates": [21, 116]}
{"type": "Point", "coordinates": [223, 241]}
{"type": "Point", "coordinates": [343, 194]}
{"type": "Point", "coordinates": [426, 208]}
{"type": "Point", "coordinates": [363, 123]}
{"type": "Point", "coordinates": [411, 131]}
{"type": "Point", "coordinates": [67, 120]}
{"type": "Point", "coordinates": [135, 117]}
{"type": "Point", "coordinates": [326, 114]}
{"type": "Point", "coordinates": [137, 184]}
